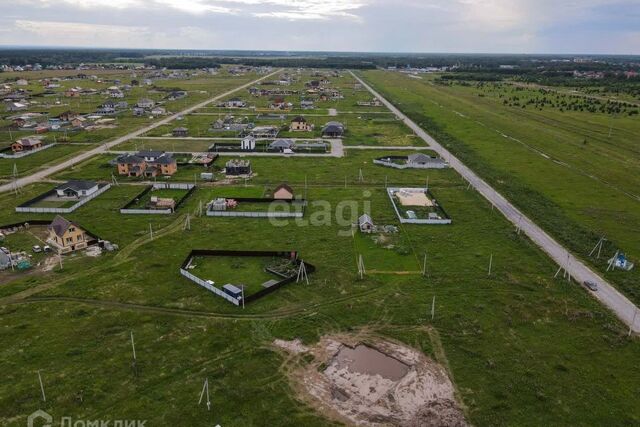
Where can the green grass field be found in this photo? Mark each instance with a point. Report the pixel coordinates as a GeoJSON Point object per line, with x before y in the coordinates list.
{"type": "Point", "coordinates": [521, 347]}
{"type": "Point", "coordinates": [577, 191]}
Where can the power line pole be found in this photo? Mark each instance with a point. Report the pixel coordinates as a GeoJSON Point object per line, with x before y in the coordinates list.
{"type": "Point", "coordinates": [490, 264]}
{"type": "Point", "coordinates": [44, 397]}
{"type": "Point", "coordinates": [433, 307]}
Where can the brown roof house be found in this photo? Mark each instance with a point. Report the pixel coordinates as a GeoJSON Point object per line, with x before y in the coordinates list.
{"type": "Point", "coordinates": [66, 236]}
{"type": "Point", "coordinates": [147, 164]}
{"type": "Point", "coordinates": [300, 124]}
{"type": "Point", "coordinates": [26, 144]}
{"type": "Point", "coordinates": [283, 192]}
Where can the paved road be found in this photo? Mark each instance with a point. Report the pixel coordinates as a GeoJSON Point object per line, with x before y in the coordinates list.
{"type": "Point", "coordinates": [37, 176]}
{"type": "Point", "coordinates": [606, 293]}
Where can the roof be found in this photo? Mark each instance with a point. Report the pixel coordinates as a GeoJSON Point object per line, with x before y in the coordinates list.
{"type": "Point", "coordinates": [60, 225]}
{"type": "Point", "coordinates": [165, 159]}
{"type": "Point", "coordinates": [333, 127]}
{"type": "Point", "coordinates": [365, 219]}
{"type": "Point", "coordinates": [284, 186]}
{"type": "Point", "coordinates": [418, 157]}
{"type": "Point", "coordinates": [180, 129]}
{"type": "Point", "coordinates": [77, 185]}
{"type": "Point", "coordinates": [129, 159]}
{"type": "Point", "coordinates": [149, 153]}
{"type": "Point", "coordinates": [282, 143]}
{"type": "Point", "coordinates": [28, 142]}
{"type": "Point", "coordinates": [299, 119]}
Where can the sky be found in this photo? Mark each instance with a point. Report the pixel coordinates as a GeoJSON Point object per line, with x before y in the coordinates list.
{"type": "Point", "coordinates": [457, 26]}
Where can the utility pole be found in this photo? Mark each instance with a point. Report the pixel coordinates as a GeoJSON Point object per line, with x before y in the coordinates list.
{"type": "Point", "coordinates": [44, 397]}
{"type": "Point", "coordinates": [433, 307]}
{"type": "Point", "coordinates": [490, 264]}
{"type": "Point", "coordinates": [424, 266]}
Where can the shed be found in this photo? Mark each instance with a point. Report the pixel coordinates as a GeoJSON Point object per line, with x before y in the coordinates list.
{"type": "Point", "coordinates": [365, 223]}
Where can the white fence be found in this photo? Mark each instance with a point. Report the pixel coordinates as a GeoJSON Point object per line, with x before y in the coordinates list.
{"type": "Point", "coordinates": [35, 209]}
{"type": "Point", "coordinates": [256, 214]}
{"type": "Point", "coordinates": [210, 287]}
{"type": "Point", "coordinates": [173, 186]}
{"type": "Point", "coordinates": [25, 153]}
{"type": "Point", "coordinates": [147, 211]}
{"type": "Point", "coordinates": [404, 220]}
{"type": "Point", "coordinates": [439, 164]}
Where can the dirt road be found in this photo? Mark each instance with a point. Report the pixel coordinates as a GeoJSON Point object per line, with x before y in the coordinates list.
{"type": "Point", "coordinates": [37, 176]}
{"type": "Point", "coordinates": [606, 294]}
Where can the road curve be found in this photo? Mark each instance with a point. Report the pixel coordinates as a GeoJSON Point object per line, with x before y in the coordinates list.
{"type": "Point", "coordinates": [37, 176]}
{"type": "Point", "coordinates": [606, 294]}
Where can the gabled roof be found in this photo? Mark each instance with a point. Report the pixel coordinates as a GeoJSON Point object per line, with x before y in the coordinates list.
{"type": "Point", "coordinates": [60, 225]}
{"type": "Point", "coordinates": [299, 119]}
{"type": "Point", "coordinates": [149, 153]}
{"type": "Point", "coordinates": [365, 219]}
{"type": "Point", "coordinates": [284, 186]}
{"type": "Point", "coordinates": [165, 159]}
{"type": "Point", "coordinates": [129, 159]}
{"type": "Point", "coordinates": [77, 185]}
{"type": "Point", "coordinates": [418, 157]}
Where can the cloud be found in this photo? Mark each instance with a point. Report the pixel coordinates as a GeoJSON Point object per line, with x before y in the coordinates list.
{"type": "Point", "coordinates": [75, 29]}
{"type": "Point", "coordinates": [519, 26]}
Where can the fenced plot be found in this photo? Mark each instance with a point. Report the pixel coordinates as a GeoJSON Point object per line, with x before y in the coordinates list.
{"type": "Point", "coordinates": [49, 203]}
{"type": "Point", "coordinates": [417, 206]}
{"type": "Point", "coordinates": [258, 207]}
{"type": "Point", "coordinates": [251, 274]}
{"type": "Point", "coordinates": [169, 196]}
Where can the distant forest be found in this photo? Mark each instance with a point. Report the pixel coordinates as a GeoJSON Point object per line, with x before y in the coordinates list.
{"type": "Point", "coordinates": [491, 66]}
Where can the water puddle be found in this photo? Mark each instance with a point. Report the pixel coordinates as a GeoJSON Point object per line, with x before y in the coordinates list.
{"type": "Point", "coordinates": [367, 360]}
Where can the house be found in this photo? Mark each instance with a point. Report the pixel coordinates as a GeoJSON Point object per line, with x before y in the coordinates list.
{"type": "Point", "coordinates": [105, 111]}
{"type": "Point", "coordinates": [300, 124]}
{"type": "Point", "coordinates": [138, 111]}
{"type": "Point", "coordinates": [66, 236]}
{"type": "Point", "coordinates": [265, 131]}
{"type": "Point", "coordinates": [365, 223]}
{"type": "Point", "coordinates": [234, 103]}
{"type": "Point", "coordinates": [283, 192]}
{"type": "Point", "coordinates": [68, 116]}
{"type": "Point", "coordinates": [16, 106]}
{"type": "Point", "coordinates": [282, 145]}
{"type": "Point", "coordinates": [307, 105]}
{"type": "Point", "coordinates": [145, 103]}
{"type": "Point", "coordinates": [238, 167]}
{"type": "Point", "coordinates": [76, 189]}
{"type": "Point", "coordinates": [158, 111]}
{"type": "Point", "coordinates": [176, 94]}
{"type": "Point", "coordinates": [248, 143]}
{"type": "Point", "coordinates": [180, 132]}
{"type": "Point", "coordinates": [147, 163]}
{"type": "Point", "coordinates": [78, 122]}
{"type": "Point", "coordinates": [26, 144]}
{"type": "Point", "coordinates": [333, 130]}
{"type": "Point", "coordinates": [419, 159]}
{"type": "Point", "coordinates": [116, 94]}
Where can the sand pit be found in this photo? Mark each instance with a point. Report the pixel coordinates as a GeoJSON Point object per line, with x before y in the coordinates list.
{"type": "Point", "coordinates": [413, 197]}
{"type": "Point", "coordinates": [374, 382]}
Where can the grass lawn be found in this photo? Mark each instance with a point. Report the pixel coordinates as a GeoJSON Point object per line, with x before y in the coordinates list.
{"type": "Point", "coordinates": [247, 271]}
{"type": "Point", "coordinates": [514, 341]}
{"type": "Point", "coordinates": [576, 191]}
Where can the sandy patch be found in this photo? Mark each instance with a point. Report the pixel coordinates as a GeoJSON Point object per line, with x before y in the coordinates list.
{"type": "Point", "coordinates": [369, 381]}
{"type": "Point", "coordinates": [412, 197]}
{"type": "Point", "coordinates": [295, 346]}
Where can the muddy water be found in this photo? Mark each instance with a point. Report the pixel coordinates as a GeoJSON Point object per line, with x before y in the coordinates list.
{"type": "Point", "coordinates": [366, 360]}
